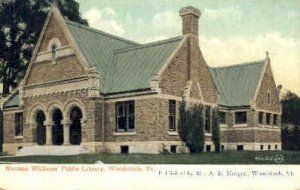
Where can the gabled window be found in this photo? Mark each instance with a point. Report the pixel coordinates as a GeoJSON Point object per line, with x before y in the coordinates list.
{"type": "Point", "coordinates": [222, 117]}
{"type": "Point", "coordinates": [125, 116]}
{"type": "Point", "coordinates": [240, 117]}
{"type": "Point", "coordinates": [275, 119]}
{"type": "Point", "coordinates": [207, 119]}
{"type": "Point", "coordinates": [260, 117]}
{"type": "Point", "coordinates": [172, 115]}
{"type": "Point", "coordinates": [18, 124]}
{"type": "Point", "coordinates": [268, 119]}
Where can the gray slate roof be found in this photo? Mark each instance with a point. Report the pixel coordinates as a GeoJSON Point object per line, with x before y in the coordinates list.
{"type": "Point", "coordinates": [237, 84]}
{"type": "Point", "coordinates": [12, 101]}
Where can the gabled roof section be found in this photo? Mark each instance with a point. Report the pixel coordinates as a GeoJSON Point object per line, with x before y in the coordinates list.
{"type": "Point", "coordinates": [123, 65]}
{"type": "Point", "coordinates": [237, 83]}
{"type": "Point", "coordinates": [134, 67]}
{"type": "Point", "coordinates": [96, 46]}
{"type": "Point", "coordinates": [12, 101]}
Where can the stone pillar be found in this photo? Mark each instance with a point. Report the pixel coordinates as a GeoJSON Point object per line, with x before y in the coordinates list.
{"type": "Point", "coordinates": [66, 124]}
{"type": "Point", "coordinates": [49, 125]}
{"type": "Point", "coordinates": [83, 131]}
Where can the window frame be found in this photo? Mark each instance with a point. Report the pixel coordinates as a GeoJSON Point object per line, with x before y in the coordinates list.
{"type": "Point", "coordinates": [275, 119]}
{"type": "Point", "coordinates": [236, 122]}
{"type": "Point", "coordinates": [221, 121]}
{"type": "Point", "coordinates": [207, 119]}
{"type": "Point", "coordinates": [268, 118]}
{"type": "Point", "coordinates": [172, 115]}
{"type": "Point", "coordinates": [269, 97]}
{"type": "Point", "coordinates": [19, 125]}
{"type": "Point", "coordinates": [261, 118]}
{"type": "Point", "coordinates": [126, 115]}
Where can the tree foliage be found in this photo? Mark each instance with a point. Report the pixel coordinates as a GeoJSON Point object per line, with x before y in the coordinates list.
{"type": "Point", "coordinates": [21, 22]}
{"type": "Point", "coordinates": [191, 127]}
{"type": "Point", "coordinates": [216, 130]}
{"type": "Point", "coordinates": [290, 133]}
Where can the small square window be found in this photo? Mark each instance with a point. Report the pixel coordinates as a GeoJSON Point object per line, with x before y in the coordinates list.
{"type": "Point", "coordinates": [222, 147]}
{"type": "Point", "coordinates": [208, 148]}
{"type": "Point", "coordinates": [222, 117]}
{"type": "Point", "coordinates": [269, 147]}
{"type": "Point", "coordinates": [240, 117]}
{"type": "Point", "coordinates": [240, 147]}
{"type": "Point", "coordinates": [276, 147]}
{"type": "Point", "coordinates": [124, 149]}
{"type": "Point", "coordinates": [173, 148]}
{"type": "Point", "coordinates": [261, 147]}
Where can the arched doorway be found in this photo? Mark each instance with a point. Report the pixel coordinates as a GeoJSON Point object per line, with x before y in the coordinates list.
{"type": "Point", "coordinates": [41, 129]}
{"type": "Point", "coordinates": [57, 129]}
{"type": "Point", "coordinates": [75, 128]}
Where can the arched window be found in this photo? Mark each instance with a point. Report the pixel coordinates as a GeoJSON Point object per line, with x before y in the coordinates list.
{"type": "Point", "coordinates": [53, 53]}
{"type": "Point", "coordinates": [269, 97]}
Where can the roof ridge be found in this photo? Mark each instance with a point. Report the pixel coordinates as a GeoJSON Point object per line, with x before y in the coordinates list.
{"type": "Point", "coordinates": [140, 46]}
{"type": "Point", "coordinates": [100, 32]}
{"type": "Point", "coordinates": [239, 64]}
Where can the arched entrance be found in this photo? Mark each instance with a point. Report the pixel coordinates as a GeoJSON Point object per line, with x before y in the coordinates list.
{"type": "Point", "coordinates": [75, 128]}
{"type": "Point", "coordinates": [57, 129]}
{"type": "Point", "coordinates": [41, 129]}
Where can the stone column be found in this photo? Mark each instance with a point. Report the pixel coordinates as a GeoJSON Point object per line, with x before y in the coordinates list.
{"type": "Point", "coordinates": [49, 125]}
{"type": "Point", "coordinates": [66, 124]}
{"type": "Point", "coordinates": [83, 133]}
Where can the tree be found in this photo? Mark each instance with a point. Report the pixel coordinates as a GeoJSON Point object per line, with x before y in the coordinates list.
{"type": "Point", "coordinates": [191, 127]}
{"type": "Point", "coordinates": [216, 130]}
{"type": "Point", "coordinates": [21, 22]}
{"type": "Point", "coordinates": [290, 117]}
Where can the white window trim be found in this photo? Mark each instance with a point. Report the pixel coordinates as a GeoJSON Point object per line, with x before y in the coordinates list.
{"type": "Point", "coordinates": [173, 133]}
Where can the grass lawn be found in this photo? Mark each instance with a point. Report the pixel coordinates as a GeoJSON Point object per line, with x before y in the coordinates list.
{"type": "Point", "coordinates": [226, 157]}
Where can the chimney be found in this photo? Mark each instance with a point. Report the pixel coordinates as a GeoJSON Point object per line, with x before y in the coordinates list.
{"type": "Point", "coordinates": [190, 16]}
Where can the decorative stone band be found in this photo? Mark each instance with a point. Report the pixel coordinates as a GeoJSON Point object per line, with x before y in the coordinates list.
{"type": "Point", "coordinates": [47, 56]}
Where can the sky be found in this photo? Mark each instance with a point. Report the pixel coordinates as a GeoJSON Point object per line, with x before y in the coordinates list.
{"type": "Point", "coordinates": [230, 31]}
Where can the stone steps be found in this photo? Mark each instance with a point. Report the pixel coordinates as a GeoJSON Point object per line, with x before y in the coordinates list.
{"type": "Point", "coordinates": [52, 150]}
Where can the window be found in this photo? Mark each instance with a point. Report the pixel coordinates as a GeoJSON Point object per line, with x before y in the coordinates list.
{"type": "Point", "coordinates": [53, 53]}
{"type": "Point", "coordinates": [269, 147]}
{"type": "Point", "coordinates": [173, 148]}
{"type": "Point", "coordinates": [240, 117]}
{"type": "Point", "coordinates": [19, 124]}
{"type": "Point", "coordinates": [269, 97]}
{"type": "Point", "coordinates": [222, 117]}
{"type": "Point", "coordinates": [172, 115]}
{"type": "Point", "coordinates": [275, 119]}
{"type": "Point", "coordinates": [222, 147]}
{"type": "Point", "coordinates": [207, 119]}
{"type": "Point", "coordinates": [125, 116]}
{"type": "Point", "coordinates": [260, 117]}
{"type": "Point", "coordinates": [276, 147]}
{"type": "Point", "coordinates": [208, 148]}
{"type": "Point", "coordinates": [240, 147]}
{"type": "Point", "coordinates": [268, 118]}
{"type": "Point", "coordinates": [261, 147]}
{"type": "Point", "coordinates": [124, 149]}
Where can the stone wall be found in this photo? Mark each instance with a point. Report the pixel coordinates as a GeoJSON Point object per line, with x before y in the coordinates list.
{"type": "Point", "coordinates": [174, 78]}
{"type": "Point", "coordinates": [64, 68]}
{"type": "Point", "coordinates": [151, 122]}
{"type": "Point", "coordinates": [268, 85]}
{"type": "Point", "coordinates": [54, 30]}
